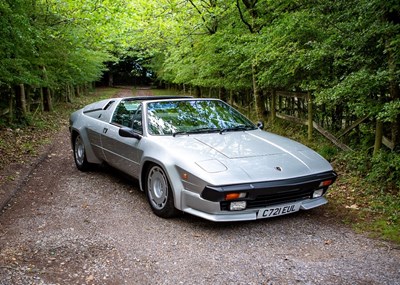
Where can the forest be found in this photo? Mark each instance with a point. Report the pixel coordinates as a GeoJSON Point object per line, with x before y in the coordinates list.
{"type": "Point", "coordinates": [330, 65]}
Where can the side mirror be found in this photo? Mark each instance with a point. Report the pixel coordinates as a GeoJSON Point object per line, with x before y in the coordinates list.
{"type": "Point", "coordinates": [129, 133]}
{"type": "Point", "coordinates": [260, 125]}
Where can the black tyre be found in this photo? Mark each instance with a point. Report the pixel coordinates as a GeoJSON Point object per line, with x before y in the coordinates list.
{"type": "Point", "coordinates": [80, 154]}
{"type": "Point", "coordinates": [159, 193]}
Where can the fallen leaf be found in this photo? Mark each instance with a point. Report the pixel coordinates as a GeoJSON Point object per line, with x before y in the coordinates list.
{"type": "Point", "coordinates": [353, 207]}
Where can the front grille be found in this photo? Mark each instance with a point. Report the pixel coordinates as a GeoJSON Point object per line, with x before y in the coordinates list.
{"type": "Point", "coordinates": [266, 200]}
{"type": "Point", "coordinates": [264, 194]}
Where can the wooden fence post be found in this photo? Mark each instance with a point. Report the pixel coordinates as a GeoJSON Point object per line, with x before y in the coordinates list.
{"type": "Point", "coordinates": [378, 136]}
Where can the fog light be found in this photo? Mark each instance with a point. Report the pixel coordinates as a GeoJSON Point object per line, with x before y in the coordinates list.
{"type": "Point", "coordinates": [238, 205]}
{"type": "Point", "coordinates": [318, 193]}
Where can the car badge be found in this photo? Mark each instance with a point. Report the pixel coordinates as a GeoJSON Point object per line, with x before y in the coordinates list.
{"type": "Point", "coordinates": [278, 168]}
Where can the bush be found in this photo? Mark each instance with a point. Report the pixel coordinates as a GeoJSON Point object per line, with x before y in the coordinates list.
{"type": "Point", "coordinates": [385, 170]}
{"type": "Point", "coordinates": [381, 171]}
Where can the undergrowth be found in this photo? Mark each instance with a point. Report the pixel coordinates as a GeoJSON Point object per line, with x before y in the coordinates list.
{"type": "Point", "coordinates": [366, 194]}
{"type": "Point", "coordinates": [20, 143]}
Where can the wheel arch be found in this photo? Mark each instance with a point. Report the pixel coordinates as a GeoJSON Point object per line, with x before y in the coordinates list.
{"type": "Point", "coordinates": [90, 156]}
{"type": "Point", "coordinates": [74, 134]}
{"type": "Point", "coordinates": [173, 179]}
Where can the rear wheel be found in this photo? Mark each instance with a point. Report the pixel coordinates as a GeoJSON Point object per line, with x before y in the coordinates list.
{"type": "Point", "coordinates": [80, 154]}
{"type": "Point", "coordinates": [159, 193]}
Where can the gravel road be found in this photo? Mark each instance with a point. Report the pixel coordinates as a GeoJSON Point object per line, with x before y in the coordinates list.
{"type": "Point", "coordinates": [68, 227]}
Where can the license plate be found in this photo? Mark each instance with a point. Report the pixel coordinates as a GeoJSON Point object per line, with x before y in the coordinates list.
{"type": "Point", "coordinates": [275, 211]}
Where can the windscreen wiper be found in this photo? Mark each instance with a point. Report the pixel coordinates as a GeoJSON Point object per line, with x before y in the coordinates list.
{"type": "Point", "coordinates": [197, 131]}
{"type": "Point", "coordinates": [237, 128]}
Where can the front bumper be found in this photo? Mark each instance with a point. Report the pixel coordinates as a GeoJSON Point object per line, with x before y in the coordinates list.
{"type": "Point", "coordinates": [211, 203]}
{"type": "Point", "coordinates": [245, 215]}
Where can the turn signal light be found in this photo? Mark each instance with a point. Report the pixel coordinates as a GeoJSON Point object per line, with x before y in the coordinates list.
{"type": "Point", "coordinates": [326, 183]}
{"type": "Point", "coordinates": [233, 196]}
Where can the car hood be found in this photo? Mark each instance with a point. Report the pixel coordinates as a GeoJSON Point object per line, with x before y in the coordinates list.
{"type": "Point", "coordinates": [248, 144]}
{"type": "Point", "coordinates": [248, 156]}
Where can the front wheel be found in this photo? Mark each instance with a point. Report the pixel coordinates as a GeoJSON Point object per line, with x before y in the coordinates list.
{"type": "Point", "coordinates": [80, 154]}
{"type": "Point", "coordinates": [159, 193]}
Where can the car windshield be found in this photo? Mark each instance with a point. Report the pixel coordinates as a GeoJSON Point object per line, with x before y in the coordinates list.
{"type": "Point", "coordinates": [194, 116]}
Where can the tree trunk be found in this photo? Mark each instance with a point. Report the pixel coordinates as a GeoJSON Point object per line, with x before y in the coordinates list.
{"type": "Point", "coordinates": [395, 95]}
{"type": "Point", "coordinates": [256, 95]}
{"type": "Point", "coordinates": [78, 91]}
{"type": "Point", "coordinates": [110, 80]}
{"type": "Point", "coordinates": [70, 91]}
{"type": "Point", "coordinates": [28, 97]}
{"type": "Point", "coordinates": [378, 136]}
{"type": "Point", "coordinates": [231, 97]}
{"type": "Point", "coordinates": [222, 94]}
{"type": "Point", "coordinates": [47, 100]}
{"type": "Point", "coordinates": [197, 92]}
{"type": "Point", "coordinates": [273, 106]}
{"type": "Point", "coordinates": [20, 102]}
{"type": "Point", "coordinates": [11, 106]}
{"type": "Point", "coordinates": [393, 66]}
{"type": "Point", "coordinates": [310, 116]}
{"type": "Point", "coordinates": [41, 99]}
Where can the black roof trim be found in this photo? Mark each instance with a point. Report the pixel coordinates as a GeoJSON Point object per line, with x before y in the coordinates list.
{"type": "Point", "coordinates": [156, 97]}
{"type": "Point", "coordinates": [97, 106]}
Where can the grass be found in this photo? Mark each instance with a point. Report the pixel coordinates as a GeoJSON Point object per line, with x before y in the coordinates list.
{"type": "Point", "coordinates": [364, 205]}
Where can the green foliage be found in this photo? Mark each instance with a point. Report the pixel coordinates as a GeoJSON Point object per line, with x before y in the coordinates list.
{"type": "Point", "coordinates": [390, 111]}
{"type": "Point", "coordinates": [345, 52]}
{"type": "Point", "coordinates": [71, 39]}
{"type": "Point", "coordinates": [16, 46]}
{"type": "Point", "coordinates": [329, 152]}
{"type": "Point", "coordinates": [366, 194]}
{"type": "Point", "coordinates": [356, 162]}
{"type": "Point", "coordinates": [383, 169]}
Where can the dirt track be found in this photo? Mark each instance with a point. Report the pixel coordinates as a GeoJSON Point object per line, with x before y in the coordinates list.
{"type": "Point", "coordinates": [68, 227]}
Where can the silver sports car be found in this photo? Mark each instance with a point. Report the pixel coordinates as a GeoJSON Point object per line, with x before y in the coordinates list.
{"type": "Point", "coordinates": [200, 156]}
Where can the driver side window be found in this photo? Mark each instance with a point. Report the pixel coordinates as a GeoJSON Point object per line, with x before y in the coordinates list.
{"type": "Point", "coordinates": [137, 120]}
{"type": "Point", "coordinates": [128, 114]}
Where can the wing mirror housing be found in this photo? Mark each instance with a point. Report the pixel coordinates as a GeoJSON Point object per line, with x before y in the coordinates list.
{"type": "Point", "coordinates": [260, 125]}
{"type": "Point", "coordinates": [129, 133]}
